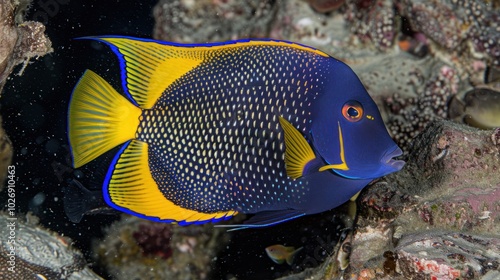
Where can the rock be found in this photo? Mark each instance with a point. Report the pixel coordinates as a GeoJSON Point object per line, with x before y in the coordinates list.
{"type": "Point", "coordinates": [447, 255]}
{"type": "Point", "coordinates": [465, 29]}
{"type": "Point", "coordinates": [296, 21]}
{"type": "Point", "coordinates": [27, 251]}
{"type": "Point", "coordinates": [190, 21]}
{"type": "Point", "coordinates": [19, 41]}
{"type": "Point", "coordinates": [5, 155]}
{"type": "Point", "coordinates": [150, 250]}
{"type": "Point", "coordinates": [438, 217]}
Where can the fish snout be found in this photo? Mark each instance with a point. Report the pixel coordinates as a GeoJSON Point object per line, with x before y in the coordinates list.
{"type": "Point", "coordinates": [390, 162]}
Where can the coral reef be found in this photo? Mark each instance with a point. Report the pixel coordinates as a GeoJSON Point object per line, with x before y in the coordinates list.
{"type": "Point", "coordinates": [154, 240]}
{"type": "Point", "coordinates": [412, 56]}
{"type": "Point", "coordinates": [28, 251]}
{"type": "Point", "coordinates": [192, 21]}
{"type": "Point", "coordinates": [454, 24]}
{"type": "Point", "coordinates": [138, 249]}
{"type": "Point", "coordinates": [417, 229]}
{"type": "Point", "coordinates": [20, 41]}
{"type": "Point", "coordinates": [372, 21]}
{"type": "Point", "coordinates": [409, 116]}
{"type": "Point", "coordinates": [297, 21]}
{"type": "Point", "coordinates": [426, 220]}
{"type": "Point", "coordinates": [5, 155]}
{"type": "Point", "coordinates": [449, 255]}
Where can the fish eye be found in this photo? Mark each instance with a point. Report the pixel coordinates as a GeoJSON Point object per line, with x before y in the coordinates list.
{"type": "Point", "coordinates": [352, 111]}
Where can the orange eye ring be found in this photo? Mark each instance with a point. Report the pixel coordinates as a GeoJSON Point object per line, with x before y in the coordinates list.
{"type": "Point", "coordinates": [352, 111]}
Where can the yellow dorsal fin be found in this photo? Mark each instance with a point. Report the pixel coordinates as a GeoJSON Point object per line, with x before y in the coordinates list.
{"type": "Point", "coordinates": [150, 67]}
{"type": "Point", "coordinates": [129, 187]}
{"type": "Point", "coordinates": [297, 151]}
{"type": "Point", "coordinates": [99, 119]}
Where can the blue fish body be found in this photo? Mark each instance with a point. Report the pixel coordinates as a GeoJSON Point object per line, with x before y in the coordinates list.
{"type": "Point", "coordinates": [210, 130]}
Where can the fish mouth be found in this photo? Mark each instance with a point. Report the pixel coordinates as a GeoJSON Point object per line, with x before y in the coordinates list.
{"type": "Point", "coordinates": [388, 159]}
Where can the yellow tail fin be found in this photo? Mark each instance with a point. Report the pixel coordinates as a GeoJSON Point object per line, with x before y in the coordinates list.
{"type": "Point", "coordinates": [99, 119]}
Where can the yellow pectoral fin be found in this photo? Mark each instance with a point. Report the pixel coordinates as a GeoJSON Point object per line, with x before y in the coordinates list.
{"type": "Point", "coordinates": [343, 165]}
{"type": "Point", "coordinates": [129, 187]}
{"type": "Point", "coordinates": [297, 151]}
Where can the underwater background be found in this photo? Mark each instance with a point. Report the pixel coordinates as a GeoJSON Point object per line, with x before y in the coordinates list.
{"type": "Point", "coordinates": [34, 107]}
{"type": "Point", "coordinates": [419, 60]}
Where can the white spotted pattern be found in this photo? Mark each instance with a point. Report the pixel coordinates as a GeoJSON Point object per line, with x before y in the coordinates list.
{"type": "Point", "coordinates": [214, 135]}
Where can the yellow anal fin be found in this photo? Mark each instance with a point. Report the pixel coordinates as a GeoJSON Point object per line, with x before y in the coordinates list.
{"type": "Point", "coordinates": [297, 151]}
{"type": "Point", "coordinates": [99, 119]}
{"type": "Point", "coordinates": [151, 67]}
{"type": "Point", "coordinates": [129, 187]}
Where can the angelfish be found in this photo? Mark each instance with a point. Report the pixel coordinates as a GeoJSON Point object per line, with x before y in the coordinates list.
{"type": "Point", "coordinates": [206, 131]}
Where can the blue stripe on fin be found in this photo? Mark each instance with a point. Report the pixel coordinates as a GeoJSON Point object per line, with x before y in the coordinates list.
{"type": "Point", "coordinates": [211, 44]}
{"type": "Point", "coordinates": [266, 219]}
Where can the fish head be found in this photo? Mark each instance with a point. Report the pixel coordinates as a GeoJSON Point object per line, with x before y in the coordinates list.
{"type": "Point", "coordinates": [347, 129]}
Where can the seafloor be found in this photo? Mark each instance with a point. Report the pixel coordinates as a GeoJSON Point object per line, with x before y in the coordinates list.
{"type": "Point", "coordinates": [432, 66]}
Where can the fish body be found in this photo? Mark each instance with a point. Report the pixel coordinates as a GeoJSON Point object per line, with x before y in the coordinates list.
{"type": "Point", "coordinates": [267, 127]}
{"type": "Point", "coordinates": [280, 254]}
